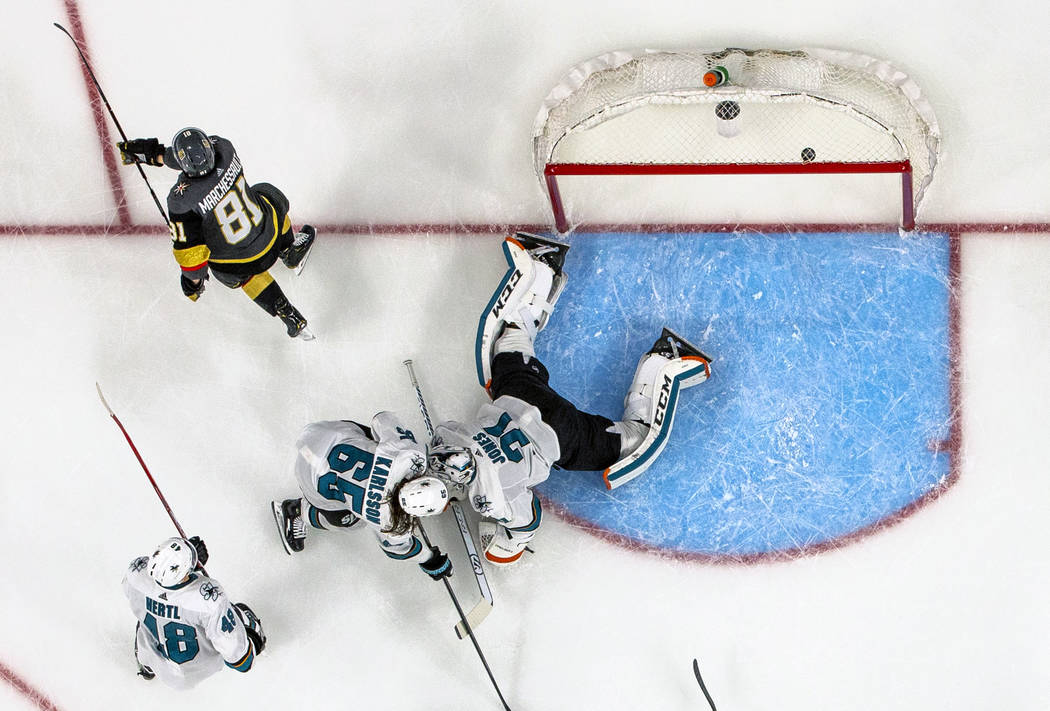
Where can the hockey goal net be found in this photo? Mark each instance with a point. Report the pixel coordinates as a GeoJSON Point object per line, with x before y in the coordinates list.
{"type": "Point", "coordinates": [736, 111]}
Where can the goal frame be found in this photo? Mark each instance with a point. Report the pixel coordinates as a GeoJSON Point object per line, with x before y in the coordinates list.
{"type": "Point", "coordinates": [552, 171]}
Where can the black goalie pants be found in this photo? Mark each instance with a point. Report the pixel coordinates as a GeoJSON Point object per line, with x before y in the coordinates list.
{"type": "Point", "coordinates": [585, 443]}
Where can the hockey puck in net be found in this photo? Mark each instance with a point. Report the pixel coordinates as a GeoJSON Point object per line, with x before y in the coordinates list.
{"type": "Point", "coordinates": [808, 154]}
{"type": "Point", "coordinates": [727, 110]}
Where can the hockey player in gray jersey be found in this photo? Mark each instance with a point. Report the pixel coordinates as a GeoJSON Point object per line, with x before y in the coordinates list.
{"type": "Point", "coordinates": [220, 223]}
{"type": "Point", "coordinates": [512, 443]}
{"type": "Point", "coordinates": [187, 628]}
{"type": "Point", "coordinates": [349, 473]}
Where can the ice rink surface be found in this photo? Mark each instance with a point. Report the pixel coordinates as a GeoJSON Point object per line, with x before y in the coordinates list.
{"type": "Point", "coordinates": [414, 113]}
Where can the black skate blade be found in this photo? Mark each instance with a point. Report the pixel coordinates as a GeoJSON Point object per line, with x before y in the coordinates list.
{"type": "Point", "coordinates": [527, 238]}
{"type": "Point", "coordinates": [302, 264]}
{"type": "Point", "coordinates": [278, 517]}
{"type": "Point", "coordinates": [313, 242]}
{"type": "Point", "coordinates": [684, 346]}
{"type": "Point", "coordinates": [554, 258]}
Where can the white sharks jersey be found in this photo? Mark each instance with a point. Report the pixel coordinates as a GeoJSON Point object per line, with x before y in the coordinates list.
{"type": "Point", "coordinates": [341, 466]}
{"type": "Point", "coordinates": [187, 632]}
{"type": "Point", "coordinates": [514, 450]}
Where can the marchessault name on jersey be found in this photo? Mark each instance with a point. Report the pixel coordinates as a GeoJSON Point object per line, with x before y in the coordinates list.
{"type": "Point", "coordinates": [223, 186]}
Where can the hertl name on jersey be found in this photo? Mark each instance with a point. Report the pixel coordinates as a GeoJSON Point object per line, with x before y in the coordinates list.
{"type": "Point", "coordinates": [225, 183]}
{"type": "Point", "coordinates": [162, 610]}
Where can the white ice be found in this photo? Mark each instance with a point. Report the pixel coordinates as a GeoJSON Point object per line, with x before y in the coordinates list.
{"type": "Point", "coordinates": [420, 112]}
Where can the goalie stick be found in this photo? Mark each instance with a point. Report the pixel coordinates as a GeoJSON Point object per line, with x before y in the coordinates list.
{"type": "Point", "coordinates": [484, 606]}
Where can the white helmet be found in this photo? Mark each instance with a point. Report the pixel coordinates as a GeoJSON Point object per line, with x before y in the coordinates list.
{"type": "Point", "coordinates": [456, 464]}
{"type": "Point", "coordinates": [424, 496]}
{"type": "Point", "coordinates": [172, 561]}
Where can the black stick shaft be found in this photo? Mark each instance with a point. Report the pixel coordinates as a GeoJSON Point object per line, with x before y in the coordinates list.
{"type": "Point", "coordinates": [703, 686]}
{"type": "Point", "coordinates": [419, 398]}
{"type": "Point", "coordinates": [466, 625]}
{"type": "Point", "coordinates": [426, 539]}
{"type": "Point", "coordinates": [113, 115]}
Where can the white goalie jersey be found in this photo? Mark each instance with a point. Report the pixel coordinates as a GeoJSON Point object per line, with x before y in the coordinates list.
{"type": "Point", "coordinates": [514, 450]}
{"type": "Point", "coordinates": [188, 632]}
{"type": "Point", "coordinates": [342, 466]}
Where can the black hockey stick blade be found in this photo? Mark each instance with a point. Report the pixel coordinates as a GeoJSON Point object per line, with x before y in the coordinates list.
{"type": "Point", "coordinates": [703, 687]}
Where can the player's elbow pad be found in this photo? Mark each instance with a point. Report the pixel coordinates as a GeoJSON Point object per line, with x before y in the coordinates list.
{"type": "Point", "coordinates": [245, 662]}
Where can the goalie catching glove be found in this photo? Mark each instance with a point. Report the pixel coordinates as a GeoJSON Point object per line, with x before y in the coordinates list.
{"type": "Point", "coordinates": [141, 150]}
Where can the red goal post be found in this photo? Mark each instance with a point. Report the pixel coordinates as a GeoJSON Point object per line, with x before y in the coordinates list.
{"type": "Point", "coordinates": [736, 111]}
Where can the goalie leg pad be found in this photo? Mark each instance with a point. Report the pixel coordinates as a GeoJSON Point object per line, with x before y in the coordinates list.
{"type": "Point", "coordinates": [669, 366]}
{"type": "Point", "coordinates": [525, 297]}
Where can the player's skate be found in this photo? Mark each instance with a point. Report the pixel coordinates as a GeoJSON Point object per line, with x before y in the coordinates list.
{"type": "Point", "coordinates": [525, 296]}
{"type": "Point", "coordinates": [294, 255]}
{"type": "Point", "coordinates": [291, 523]}
{"type": "Point", "coordinates": [502, 547]}
{"type": "Point", "coordinates": [293, 320]}
{"type": "Point", "coordinates": [670, 365]}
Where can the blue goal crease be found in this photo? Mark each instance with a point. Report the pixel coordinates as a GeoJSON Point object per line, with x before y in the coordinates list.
{"type": "Point", "coordinates": [830, 379]}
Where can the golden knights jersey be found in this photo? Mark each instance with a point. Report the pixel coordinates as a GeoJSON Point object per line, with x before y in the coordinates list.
{"type": "Point", "coordinates": [188, 632]}
{"type": "Point", "coordinates": [219, 219]}
{"type": "Point", "coordinates": [342, 466]}
{"type": "Point", "coordinates": [514, 450]}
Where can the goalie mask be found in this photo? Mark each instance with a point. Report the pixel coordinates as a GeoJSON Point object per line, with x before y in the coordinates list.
{"type": "Point", "coordinates": [193, 152]}
{"type": "Point", "coordinates": [172, 562]}
{"type": "Point", "coordinates": [425, 496]}
{"type": "Point", "coordinates": [455, 464]}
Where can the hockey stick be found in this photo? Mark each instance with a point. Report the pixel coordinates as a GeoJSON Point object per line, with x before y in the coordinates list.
{"type": "Point", "coordinates": [703, 687]}
{"type": "Point", "coordinates": [466, 624]}
{"type": "Point", "coordinates": [484, 606]}
{"type": "Point", "coordinates": [163, 501]}
{"type": "Point", "coordinates": [113, 115]}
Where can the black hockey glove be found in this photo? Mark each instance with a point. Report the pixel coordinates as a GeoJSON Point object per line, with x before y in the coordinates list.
{"type": "Point", "coordinates": [202, 551]}
{"type": "Point", "coordinates": [141, 150]}
{"type": "Point", "coordinates": [252, 625]}
{"type": "Point", "coordinates": [190, 289]}
{"type": "Point", "coordinates": [438, 566]}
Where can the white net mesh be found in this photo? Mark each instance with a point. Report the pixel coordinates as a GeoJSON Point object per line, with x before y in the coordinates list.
{"type": "Point", "coordinates": [814, 105]}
